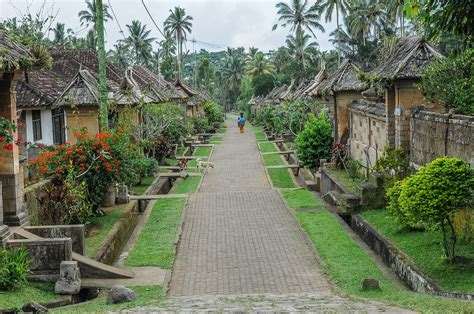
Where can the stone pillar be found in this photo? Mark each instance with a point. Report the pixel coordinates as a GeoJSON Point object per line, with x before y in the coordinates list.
{"type": "Point", "coordinates": [14, 213]}
{"type": "Point", "coordinates": [4, 231]}
{"type": "Point", "coordinates": [390, 113]}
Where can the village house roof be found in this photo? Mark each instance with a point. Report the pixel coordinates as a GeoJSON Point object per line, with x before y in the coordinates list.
{"type": "Point", "coordinates": [368, 107]}
{"type": "Point", "coordinates": [155, 86]}
{"type": "Point", "coordinates": [408, 60]}
{"type": "Point", "coordinates": [13, 56]}
{"type": "Point", "coordinates": [322, 75]}
{"type": "Point", "coordinates": [345, 78]}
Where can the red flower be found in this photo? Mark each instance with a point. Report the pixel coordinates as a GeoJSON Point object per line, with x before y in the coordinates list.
{"type": "Point", "coordinates": [8, 146]}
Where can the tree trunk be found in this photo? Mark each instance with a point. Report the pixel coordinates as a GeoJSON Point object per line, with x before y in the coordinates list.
{"type": "Point", "coordinates": [102, 64]}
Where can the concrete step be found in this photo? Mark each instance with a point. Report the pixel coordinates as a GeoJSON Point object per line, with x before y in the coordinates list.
{"type": "Point", "coordinates": [90, 268]}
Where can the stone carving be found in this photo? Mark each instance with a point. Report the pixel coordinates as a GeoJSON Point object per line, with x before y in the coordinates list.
{"type": "Point", "coordinates": [69, 279]}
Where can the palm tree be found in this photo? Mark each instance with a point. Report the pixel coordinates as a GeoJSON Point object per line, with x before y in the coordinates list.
{"type": "Point", "coordinates": [232, 73]}
{"type": "Point", "coordinates": [88, 16]}
{"type": "Point", "coordinates": [367, 17]}
{"type": "Point", "coordinates": [395, 10]}
{"type": "Point", "coordinates": [59, 32]}
{"type": "Point", "coordinates": [167, 47]}
{"type": "Point", "coordinates": [180, 24]}
{"type": "Point", "coordinates": [300, 46]}
{"type": "Point", "coordinates": [299, 16]}
{"type": "Point", "coordinates": [140, 41]}
{"type": "Point", "coordinates": [331, 6]}
{"type": "Point", "coordinates": [259, 65]}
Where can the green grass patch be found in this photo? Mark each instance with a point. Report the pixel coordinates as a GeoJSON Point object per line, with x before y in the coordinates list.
{"type": "Point", "coordinates": [281, 178]}
{"type": "Point", "coordinates": [32, 292]}
{"type": "Point", "coordinates": [156, 243]}
{"type": "Point", "coordinates": [302, 199]}
{"type": "Point", "coordinates": [425, 250]}
{"type": "Point", "coordinates": [202, 151]}
{"type": "Point", "coordinates": [187, 185]}
{"type": "Point", "coordinates": [342, 177]}
{"type": "Point", "coordinates": [273, 160]}
{"type": "Point", "coordinates": [181, 150]}
{"type": "Point", "coordinates": [141, 188]}
{"type": "Point", "coordinates": [146, 295]}
{"type": "Point", "coordinates": [347, 265]}
{"type": "Point", "coordinates": [267, 147]}
{"type": "Point", "coordinates": [100, 228]}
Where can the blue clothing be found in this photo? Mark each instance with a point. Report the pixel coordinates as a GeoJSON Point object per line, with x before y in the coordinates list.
{"type": "Point", "coordinates": [241, 121]}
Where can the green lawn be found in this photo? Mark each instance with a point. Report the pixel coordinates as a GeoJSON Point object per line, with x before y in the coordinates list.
{"type": "Point", "coordinates": [281, 178]}
{"type": "Point", "coordinates": [273, 160]}
{"type": "Point", "coordinates": [425, 250]}
{"type": "Point", "coordinates": [33, 291]}
{"type": "Point", "coordinates": [141, 188]}
{"type": "Point", "coordinates": [156, 243]}
{"type": "Point", "coordinates": [267, 147]}
{"type": "Point", "coordinates": [259, 134]}
{"type": "Point", "coordinates": [342, 177]}
{"type": "Point", "coordinates": [202, 151]}
{"type": "Point", "coordinates": [347, 265]}
{"type": "Point", "coordinates": [146, 295]}
{"type": "Point", "coordinates": [301, 199]}
{"type": "Point", "coordinates": [188, 185]}
{"type": "Point", "coordinates": [101, 227]}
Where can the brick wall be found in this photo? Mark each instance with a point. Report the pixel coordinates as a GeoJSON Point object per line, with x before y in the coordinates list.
{"type": "Point", "coordinates": [435, 134]}
{"type": "Point", "coordinates": [368, 133]}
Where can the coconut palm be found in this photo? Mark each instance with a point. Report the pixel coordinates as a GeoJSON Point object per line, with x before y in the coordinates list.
{"type": "Point", "coordinates": [299, 16]}
{"type": "Point", "coordinates": [59, 32]}
{"type": "Point", "coordinates": [140, 42]}
{"type": "Point", "coordinates": [180, 25]}
{"type": "Point", "coordinates": [395, 9]}
{"type": "Point", "coordinates": [334, 6]}
{"type": "Point", "coordinates": [259, 65]}
{"type": "Point", "coordinates": [300, 46]}
{"type": "Point", "coordinates": [366, 18]}
{"type": "Point", "coordinates": [88, 16]}
{"type": "Point", "coordinates": [232, 73]}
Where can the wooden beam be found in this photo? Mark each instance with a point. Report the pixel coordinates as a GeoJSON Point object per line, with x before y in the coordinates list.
{"type": "Point", "coordinates": [156, 197]}
{"type": "Point", "coordinates": [287, 152]}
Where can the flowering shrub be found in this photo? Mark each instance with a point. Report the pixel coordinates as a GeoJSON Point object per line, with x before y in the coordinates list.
{"type": "Point", "coordinates": [213, 113]}
{"type": "Point", "coordinates": [6, 133]}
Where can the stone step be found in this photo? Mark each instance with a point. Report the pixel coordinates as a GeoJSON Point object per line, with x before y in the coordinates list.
{"type": "Point", "coordinates": [90, 268]}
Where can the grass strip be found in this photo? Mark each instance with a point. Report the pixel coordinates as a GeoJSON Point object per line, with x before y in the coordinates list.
{"type": "Point", "coordinates": [100, 228]}
{"type": "Point", "coordinates": [301, 199]}
{"type": "Point", "coordinates": [202, 151]}
{"type": "Point", "coordinates": [273, 160]}
{"type": "Point", "coordinates": [425, 250]}
{"type": "Point", "coordinates": [156, 243]}
{"type": "Point", "coordinates": [31, 292]}
{"type": "Point", "coordinates": [187, 185]}
{"type": "Point", "coordinates": [342, 177]}
{"type": "Point", "coordinates": [146, 295]}
{"type": "Point", "coordinates": [347, 265]}
{"type": "Point", "coordinates": [139, 189]}
{"type": "Point", "coordinates": [281, 178]}
{"type": "Point", "coordinates": [267, 147]}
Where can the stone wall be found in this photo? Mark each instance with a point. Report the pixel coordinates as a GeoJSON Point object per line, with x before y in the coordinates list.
{"type": "Point", "coordinates": [343, 100]}
{"type": "Point", "coordinates": [434, 134]}
{"type": "Point", "coordinates": [368, 136]}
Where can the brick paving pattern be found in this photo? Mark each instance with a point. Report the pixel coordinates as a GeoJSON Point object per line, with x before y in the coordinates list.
{"type": "Point", "coordinates": [238, 236]}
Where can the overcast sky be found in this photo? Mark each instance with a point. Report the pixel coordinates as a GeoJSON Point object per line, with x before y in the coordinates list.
{"type": "Point", "coordinates": [221, 23]}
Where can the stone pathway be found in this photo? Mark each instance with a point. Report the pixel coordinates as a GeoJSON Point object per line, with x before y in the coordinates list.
{"type": "Point", "coordinates": [242, 250]}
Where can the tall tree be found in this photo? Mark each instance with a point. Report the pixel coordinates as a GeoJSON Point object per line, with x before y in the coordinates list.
{"type": "Point", "coordinates": [259, 65]}
{"type": "Point", "coordinates": [89, 16]}
{"type": "Point", "coordinates": [102, 64]}
{"type": "Point", "coordinates": [299, 46]}
{"type": "Point", "coordinates": [180, 25]}
{"type": "Point", "coordinates": [140, 42]}
{"type": "Point", "coordinates": [367, 18]}
{"type": "Point", "coordinates": [334, 6]}
{"type": "Point", "coordinates": [299, 16]}
{"type": "Point", "coordinates": [396, 10]}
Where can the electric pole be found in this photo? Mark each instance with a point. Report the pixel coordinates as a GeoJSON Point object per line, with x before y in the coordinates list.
{"type": "Point", "coordinates": [103, 97]}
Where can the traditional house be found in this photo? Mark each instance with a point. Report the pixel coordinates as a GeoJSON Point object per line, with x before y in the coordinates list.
{"type": "Point", "coordinates": [400, 72]}
{"type": "Point", "coordinates": [343, 86]}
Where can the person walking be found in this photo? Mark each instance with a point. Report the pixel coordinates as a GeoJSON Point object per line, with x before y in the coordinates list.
{"type": "Point", "coordinates": [241, 122]}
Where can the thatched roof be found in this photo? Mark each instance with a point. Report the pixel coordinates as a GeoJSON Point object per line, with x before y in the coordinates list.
{"type": "Point", "coordinates": [322, 75]}
{"type": "Point", "coordinates": [13, 56]}
{"type": "Point", "coordinates": [155, 86]}
{"type": "Point", "coordinates": [345, 78]}
{"type": "Point", "coordinates": [408, 60]}
{"type": "Point", "coordinates": [81, 91]}
{"type": "Point", "coordinates": [368, 107]}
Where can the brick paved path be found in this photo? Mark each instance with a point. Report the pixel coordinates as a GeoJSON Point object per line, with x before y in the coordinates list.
{"type": "Point", "coordinates": [238, 236]}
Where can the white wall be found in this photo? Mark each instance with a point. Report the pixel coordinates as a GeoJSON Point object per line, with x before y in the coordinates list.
{"type": "Point", "coordinates": [46, 127]}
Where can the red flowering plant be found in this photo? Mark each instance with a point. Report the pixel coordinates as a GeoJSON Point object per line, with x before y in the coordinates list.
{"type": "Point", "coordinates": [91, 160]}
{"type": "Point", "coordinates": [7, 128]}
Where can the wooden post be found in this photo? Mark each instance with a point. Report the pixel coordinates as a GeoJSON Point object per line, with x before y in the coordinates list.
{"type": "Point", "coordinates": [102, 65]}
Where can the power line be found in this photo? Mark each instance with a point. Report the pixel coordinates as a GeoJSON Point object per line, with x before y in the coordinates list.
{"type": "Point", "coordinates": [152, 19]}
{"type": "Point", "coordinates": [116, 19]}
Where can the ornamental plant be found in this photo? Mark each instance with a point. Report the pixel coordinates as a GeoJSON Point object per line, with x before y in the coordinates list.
{"type": "Point", "coordinates": [315, 141]}
{"type": "Point", "coordinates": [432, 196]}
{"type": "Point", "coordinates": [14, 268]}
{"type": "Point", "coordinates": [213, 112]}
{"type": "Point", "coordinates": [6, 133]}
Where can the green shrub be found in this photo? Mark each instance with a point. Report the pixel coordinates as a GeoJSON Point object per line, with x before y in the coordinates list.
{"type": "Point", "coordinates": [315, 141]}
{"type": "Point", "coordinates": [213, 113]}
{"type": "Point", "coordinates": [200, 124]}
{"type": "Point", "coordinates": [394, 165]}
{"type": "Point", "coordinates": [450, 81]}
{"type": "Point", "coordinates": [432, 196]}
{"type": "Point", "coordinates": [14, 268]}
